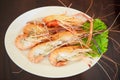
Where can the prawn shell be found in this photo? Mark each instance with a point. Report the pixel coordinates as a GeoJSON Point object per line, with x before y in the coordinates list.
{"type": "Point", "coordinates": [33, 58]}
{"type": "Point", "coordinates": [32, 53]}
{"type": "Point", "coordinates": [33, 29]}
{"type": "Point", "coordinates": [53, 20]}
{"type": "Point", "coordinates": [22, 44]}
{"type": "Point", "coordinates": [18, 42]}
{"type": "Point", "coordinates": [64, 50]}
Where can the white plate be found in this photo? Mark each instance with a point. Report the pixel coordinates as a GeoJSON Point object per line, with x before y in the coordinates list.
{"type": "Point", "coordinates": [44, 68]}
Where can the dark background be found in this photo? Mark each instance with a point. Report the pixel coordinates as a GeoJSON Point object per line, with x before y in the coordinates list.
{"type": "Point", "coordinates": [107, 10]}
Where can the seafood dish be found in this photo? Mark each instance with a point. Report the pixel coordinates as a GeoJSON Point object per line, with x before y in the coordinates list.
{"type": "Point", "coordinates": [63, 38]}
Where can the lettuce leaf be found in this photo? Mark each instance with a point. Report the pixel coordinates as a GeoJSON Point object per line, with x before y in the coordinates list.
{"type": "Point", "coordinates": [101, 39]}
{"type": "Point", "coordinates": [97, 25]}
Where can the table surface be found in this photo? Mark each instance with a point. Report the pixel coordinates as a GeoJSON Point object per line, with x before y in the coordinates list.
{"type": "Point", "coordinates": [107, 10]}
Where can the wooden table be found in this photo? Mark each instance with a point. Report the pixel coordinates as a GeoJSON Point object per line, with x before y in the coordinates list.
{"type": "Point", "coordinates": [107, 10]}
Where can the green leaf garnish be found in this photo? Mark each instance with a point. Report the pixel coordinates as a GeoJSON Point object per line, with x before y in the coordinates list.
{"type": "Point", "coordinates": [101, 39]}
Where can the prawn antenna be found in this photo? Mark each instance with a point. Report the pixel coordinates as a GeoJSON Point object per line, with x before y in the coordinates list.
{"type": "Point", "coordinates": [91, 3]}
{"type": "Point", "coordinates": [17, 72]}
{"type": "Point", "coordinates": [62, 3]}
{"type": "Point", "coordinates": [104, 70]}
{"type": "Point", "coordinates": [114, 21]}
{"type": "Point", "coordinates": [69, 5]}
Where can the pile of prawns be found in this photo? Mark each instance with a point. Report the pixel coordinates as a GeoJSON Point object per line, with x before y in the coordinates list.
{"type": "Point", "coordinates": [57, 36]}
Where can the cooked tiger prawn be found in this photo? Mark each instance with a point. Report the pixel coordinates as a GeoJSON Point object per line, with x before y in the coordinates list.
{"type": "Point", "coordinates": [25, 41]}
{"type": "Point", "coordinates": [38, 52]}
{"type": "Point", "coordinates": [63, 18]}
{"type": "Point", "coordinates": [70, 23]}
{"type": "Point", "coordinates": [62, 56]}
{"type": "Point", "coordinates": [32, 35]}
{"type": "Point", "coordinates": [33, 29]}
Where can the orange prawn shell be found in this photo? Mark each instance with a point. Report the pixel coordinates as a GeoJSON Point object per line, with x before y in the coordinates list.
{"type": "Point", "coordinates": [70, 20]}
{"type": "Point", "coordinates": [53, 56]}
{"type": "Point", "coordinates": [32, 57]}
{"type": "Point", "coordinates": [32, 29]}
{"type": "Point", "coordinates": [18, 42]}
